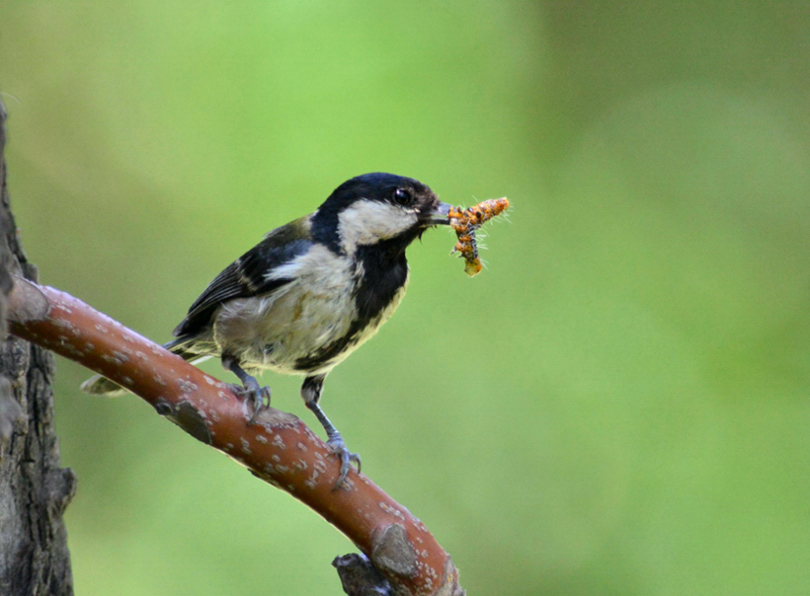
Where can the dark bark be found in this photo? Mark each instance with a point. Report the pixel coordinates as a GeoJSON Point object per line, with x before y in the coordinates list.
{"type": "Point", "coordinates": [34, 489]}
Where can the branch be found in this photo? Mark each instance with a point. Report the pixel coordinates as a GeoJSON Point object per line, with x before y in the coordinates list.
{"type": "Point", "coordinates": [277, 447]}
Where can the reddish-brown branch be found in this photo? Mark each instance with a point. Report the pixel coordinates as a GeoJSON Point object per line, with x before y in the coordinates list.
{"type": "Point", "coordinates": [277, 448]}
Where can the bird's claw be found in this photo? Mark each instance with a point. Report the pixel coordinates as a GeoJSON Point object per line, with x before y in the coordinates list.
{"type": "Point", "coordinates": [257, 397]}
{"type": "Point", "coordinates": [338, 448]}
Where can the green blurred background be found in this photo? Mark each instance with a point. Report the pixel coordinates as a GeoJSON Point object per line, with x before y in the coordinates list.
{"type": "Point", "coordinates": [617, 405]}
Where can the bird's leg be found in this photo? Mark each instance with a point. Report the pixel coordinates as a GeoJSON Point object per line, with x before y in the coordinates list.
{"type": "Point", "coordinates": [311, 392]}
{"type": "Point", "coordinates": [250, 389]}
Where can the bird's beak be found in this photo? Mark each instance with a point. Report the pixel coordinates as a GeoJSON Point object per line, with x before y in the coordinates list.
{"type": "Point", "coordinates": [439, 215]}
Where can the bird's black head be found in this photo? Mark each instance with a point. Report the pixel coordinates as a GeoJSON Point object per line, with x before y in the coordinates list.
{"type": "Point", "coordinates": [377, 208]}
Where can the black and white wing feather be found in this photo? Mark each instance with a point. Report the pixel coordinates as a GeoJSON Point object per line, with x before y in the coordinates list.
{"type": "Point", "coordinates": [250, 275]}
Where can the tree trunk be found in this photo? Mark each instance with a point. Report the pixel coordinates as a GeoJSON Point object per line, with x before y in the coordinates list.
{"type": "Point", "coordinates": [34, 490]}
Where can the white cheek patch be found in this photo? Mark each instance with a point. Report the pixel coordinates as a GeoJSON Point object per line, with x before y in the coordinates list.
{"type": "Point", "coordinates": [368, 222]}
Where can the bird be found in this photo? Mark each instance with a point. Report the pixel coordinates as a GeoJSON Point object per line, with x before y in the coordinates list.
{"type": "Point", "coordinates": [309, 294]}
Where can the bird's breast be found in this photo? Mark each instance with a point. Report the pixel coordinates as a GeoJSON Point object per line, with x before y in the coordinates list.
{"type": "Point", "coordinates": [310, 324]}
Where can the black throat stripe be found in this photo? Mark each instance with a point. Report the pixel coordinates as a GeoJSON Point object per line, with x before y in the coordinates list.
{"type": "Point", "coordinates": [384, 273]}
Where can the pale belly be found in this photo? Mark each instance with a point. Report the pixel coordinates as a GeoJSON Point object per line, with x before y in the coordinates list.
{"type": "Point", "coordinates": [295, 324]}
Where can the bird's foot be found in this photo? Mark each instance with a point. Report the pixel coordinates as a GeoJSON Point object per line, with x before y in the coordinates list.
{"type": "Point", "coordinates": [257, 397]}
{"type": "Point", "coordinates": [338, 448]}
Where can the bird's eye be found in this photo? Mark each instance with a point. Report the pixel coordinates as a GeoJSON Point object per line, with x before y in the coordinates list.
{"type": "Point", "coordinates": [403, 196]}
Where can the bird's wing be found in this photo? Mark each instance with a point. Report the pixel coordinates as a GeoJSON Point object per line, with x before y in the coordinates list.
{"type": "Point", "coordinates": [249, 276]}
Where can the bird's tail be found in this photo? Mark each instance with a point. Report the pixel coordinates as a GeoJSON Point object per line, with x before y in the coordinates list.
{"type": "Point", "coordinates": [99, 385]}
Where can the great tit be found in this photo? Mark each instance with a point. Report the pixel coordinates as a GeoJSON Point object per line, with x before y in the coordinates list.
{"type": "Point", "coordinates": [310, 293]}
